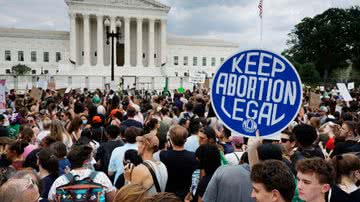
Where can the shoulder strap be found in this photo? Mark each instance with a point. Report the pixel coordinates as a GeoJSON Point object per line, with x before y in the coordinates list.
{"type": "Point", "coordinates": [93, 175]}
{"type": "Point", "coordinates": [237, 157]}
{"type": "Point", "coordinates": [69, 177]}
{"type": "Point", "coordinates": [156, 183]}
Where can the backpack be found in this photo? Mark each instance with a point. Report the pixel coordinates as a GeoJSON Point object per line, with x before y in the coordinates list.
{"type": "Point", "coordinates": [85, 190]}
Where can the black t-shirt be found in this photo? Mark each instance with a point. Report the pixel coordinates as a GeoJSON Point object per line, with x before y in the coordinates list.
{"type": "Point", "coordinates": [98, 134]}
{"type": "Point", "coordinates": [338, 194]}
{"type": "Point", "coordinates": [4, 132]}
{"type": "Point", "coordinates": [131, 122]}
{"type": "Point", "coordinates": [343, 147]}
{"type": "Point", "coordinates": [180, 166]}
{"type": "Point", "coordinates": [46, 184]}
{"type": "Point", "coordinates": [31, 159]}
{"type": "Point", "coordinates": [203, 183]}
{"type": "Point", "coordinates": [104, 153]}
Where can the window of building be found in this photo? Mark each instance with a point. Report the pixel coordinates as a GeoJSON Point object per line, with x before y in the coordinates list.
{"type": "Point", "coordinates": [58, 56]}
{"type": "Point", "coordinates": [222, 60]}
{"type": "Point", "coordinates": [213, 62]}
{"type": "Point", "coordinates": [204, 61]}
{"type": "Point", "coordinates": [46, 56]}
{"type": "Point", "coordinates": [7, 55]}
{"type": "Point", "coordinates": [33, 56]}
{"type": "Point", "coordinates": [176, 60]}
{"type": "Point", "coordinates": [194, 61]}
{"type": "Point", "coordinates": [185, 60]}
{"type": "Point", "coordinates": [21, 56]}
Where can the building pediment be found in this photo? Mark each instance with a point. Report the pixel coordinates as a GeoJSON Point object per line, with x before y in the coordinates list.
{"type": "Point", "coordinates": [142, 4]}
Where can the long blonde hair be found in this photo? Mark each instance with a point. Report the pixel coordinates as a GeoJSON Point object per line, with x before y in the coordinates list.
{"type": "Point", "coordinates": [57, 130]}
{"type": "Point", "coordinates": [130, 193]}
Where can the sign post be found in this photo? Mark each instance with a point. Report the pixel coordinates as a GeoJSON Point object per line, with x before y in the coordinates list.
{"type": "Point", "coordinates": [256, 90]}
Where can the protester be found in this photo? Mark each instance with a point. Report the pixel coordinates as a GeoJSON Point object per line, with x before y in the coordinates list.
{"type": "Point", "coordinates": [272, 181]}
{"type": "Point", "coordinates": [116, 160]}
{"type": "Point", "coordinates": [179, 162]}
{"type": "Point", "coordinates": [209, 159]}
{"type": "Point", "coordinates": [130, 121]}
{"type": "Point", "coordinates": [347, 168]}
{"type": "Point", "coordinates": [315, 177]}
{"type": "Point", "coordinates": [18, 190]}
{"type": "Point", "coordinates": [192, 142]}
{"type": "Point", "coordinates": [48, 171]}
{"type": "Point", "coordinates": [151, 174]}
{"type": "Point", "coordinates": [15, 152]}
{"type": "Point", "coordinates": [130, 193]}
{"type": "Point", "coordinates": [103, 153]}
{"type": "Point", "coordinates": [235, 157]}
{"type": "Point", "coordinates": [60, 134]}
{"type": "Point", "coordinates": [80, 159]}
{"type": "Point", "coordinates": [60, 152]}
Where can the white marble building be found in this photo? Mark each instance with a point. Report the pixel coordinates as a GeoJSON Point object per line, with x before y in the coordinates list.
{"type": "Point", "coordinates": [144, 55]}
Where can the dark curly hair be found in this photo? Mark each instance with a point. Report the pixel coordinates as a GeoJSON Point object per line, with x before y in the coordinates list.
{"type": "Point", "coordinates": [322, 169]}
{"type": "Point", "coordinates": [274, 174]}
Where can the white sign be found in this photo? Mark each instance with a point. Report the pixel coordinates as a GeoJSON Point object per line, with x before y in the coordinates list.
{"type": "Point", "coordinates": [42, 83]}
{"type": "Point", "coordinates": [197, 77]}
{"type": "Point", "coordinates": [344, 91]}
{"type": "Point", "coordinates": [351, 85]}
{"type": "Point", "coordinates": [68, 89]}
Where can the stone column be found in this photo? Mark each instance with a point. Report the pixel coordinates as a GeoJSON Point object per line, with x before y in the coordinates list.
{"type": "Point", "coordinates": [100, 41]}
{"type": "Point", "coordinates": [86, 39]}
{"type": "Point", "coordinates": [151, 42]}
{"type": "Point", "coordinates": [113, 29]}
{"type": "Point", "coordinates": [73, 50]}
{"type": "Point", "coordinates": [127, 41]}
{"type": "Point", "coordinates": [163, 48]}
{"type": "Point", "coordinates": [139, 49]}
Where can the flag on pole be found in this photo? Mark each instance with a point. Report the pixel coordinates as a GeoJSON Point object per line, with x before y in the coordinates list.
{"type": "Point", "coordinates": [260, 6]}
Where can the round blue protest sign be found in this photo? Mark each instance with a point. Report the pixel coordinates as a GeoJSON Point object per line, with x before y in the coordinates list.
{"type": "Point", "coordinates": [256, 90]}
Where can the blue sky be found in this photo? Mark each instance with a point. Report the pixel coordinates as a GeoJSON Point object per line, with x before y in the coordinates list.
{"type": "Point", "coordinates": [230, 20]}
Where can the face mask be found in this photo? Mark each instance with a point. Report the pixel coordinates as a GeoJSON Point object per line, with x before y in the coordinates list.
{"type": "Point", "coordinates": [84, 122]}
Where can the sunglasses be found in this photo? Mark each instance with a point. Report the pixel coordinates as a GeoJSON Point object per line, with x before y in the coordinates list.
{"type": "Point", "coordinates": [284, 140]}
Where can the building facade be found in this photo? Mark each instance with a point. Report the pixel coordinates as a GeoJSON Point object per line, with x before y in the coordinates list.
{"type": "Point", "coordinates": [144, 54]}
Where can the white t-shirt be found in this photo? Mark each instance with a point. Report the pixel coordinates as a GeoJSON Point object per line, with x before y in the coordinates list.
{"type": "Point", "coordinates": [231, 158]}
{"type": "Point", "coordinates": [100, 178]}
{"type": "Point", "coordinates": [161, 174]}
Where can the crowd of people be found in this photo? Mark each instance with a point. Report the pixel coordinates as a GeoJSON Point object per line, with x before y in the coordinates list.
{"type": "Point", "coordinates": [107, 146]}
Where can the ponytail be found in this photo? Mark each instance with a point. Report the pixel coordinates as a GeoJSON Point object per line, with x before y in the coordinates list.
{"type": "Point", "coordinates": [19, 146]}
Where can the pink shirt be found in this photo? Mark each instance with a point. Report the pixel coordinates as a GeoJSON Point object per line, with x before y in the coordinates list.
{"type": "Point", "coordinates": [28, 149]}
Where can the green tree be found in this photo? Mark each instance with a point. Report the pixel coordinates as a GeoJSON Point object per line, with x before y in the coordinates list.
{"type": "Point", "coordinates": [329, 40]}
{"type": "Point", "coordinates": [308, 73]}
{"type": "Point", "coordinates": [20, 69]}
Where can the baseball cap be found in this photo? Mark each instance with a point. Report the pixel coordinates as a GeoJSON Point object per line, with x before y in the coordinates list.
{"type": "Point", "coordinates": [150, 139]}
{"type": "Point", "coordinates": [96, 100]}
{"type": "Point", "coordinates": [236, 140]}
{"type": "Point", "coordinates": [96, 119]}
{"type": "Point", "coordinates": [114, 112]}
{"type": "Point", "coordinates": [324, 109]}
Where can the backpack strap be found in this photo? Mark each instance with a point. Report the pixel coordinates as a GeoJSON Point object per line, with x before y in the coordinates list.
{"type": "Point", "coordinates": [156, 183]}
{"type": "Point", "coordinates": [237, 157]}
{"type": "Point", "coordinates": [93, 175]}
{"type": "Point", "coordinates": [69, 177]}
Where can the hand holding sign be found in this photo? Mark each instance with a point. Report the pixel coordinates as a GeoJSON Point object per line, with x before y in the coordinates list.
{"type": "Point", "coordinates": [256, 90]}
